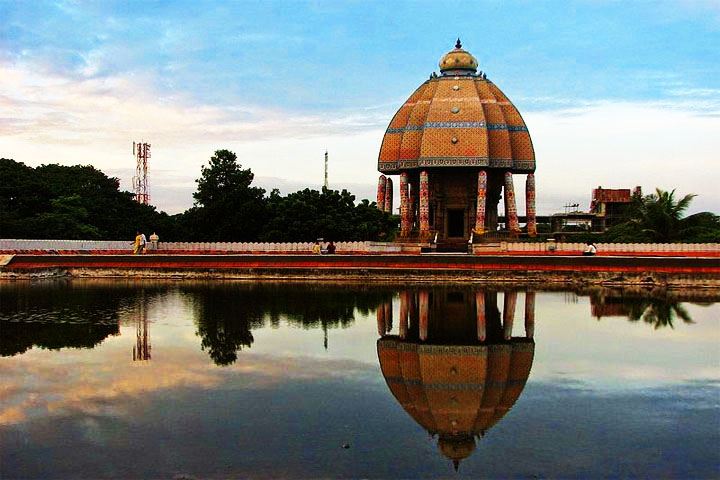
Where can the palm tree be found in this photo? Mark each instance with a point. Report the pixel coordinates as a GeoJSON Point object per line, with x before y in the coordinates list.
{"type": "Point", "coordinates": [658, 312]}
{"type": "Point", "coordinates": [658, 217]}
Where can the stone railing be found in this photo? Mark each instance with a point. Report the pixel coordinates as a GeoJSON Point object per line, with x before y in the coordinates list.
{"type": "Point", "coordinates": [513, 248]}
{"type": "Point", "coordinates": [10, 245]}
{"type": "Point", "coordinates": [561, 248]}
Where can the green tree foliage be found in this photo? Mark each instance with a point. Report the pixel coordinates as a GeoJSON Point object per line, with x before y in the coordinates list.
{"type": "Point", "coordinates": [227, 206]}
{"type": "Point", "coordinates": [81, 202]}
{"type": "Point", "coordinates": [330, 214]}
{"type": "Point", "coordinates": [659, 217]}
{"type": "Point", "coordinates": [76, 202]}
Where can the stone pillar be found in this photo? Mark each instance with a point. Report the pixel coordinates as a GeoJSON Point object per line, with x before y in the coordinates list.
{"type": "Point", "coordinates": [381, 192]}
{"type": "Point", "coordinates": [388, 316]}
{"type": "Point", "coordinates": [530, 205]}
{"type": "Point", "coordinates": [529, 314]}
{"type": "Point", "coordinates": [381, 320]}
{"type": "Point", "coordinates": [404, 309]}
{"type": "Point", "coordinates": [424, 307]}
{"type": "Point", "coordinates": [405, 220]}
{"type": "Point", "coordinates": [481, 200]}
{"type": "Point", "coordinates": [480, 315]}
{"type": "Point", "coordinates": [388, 195]}
{"type": "Point", "coordinates": [511, 218]}
{"type": "Point", "coordinates": [424, 205]}
{"type": "Point", "coordinates": [509, 313]}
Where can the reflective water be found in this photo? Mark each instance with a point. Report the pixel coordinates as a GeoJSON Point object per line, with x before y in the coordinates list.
{"type": "Point", "coordinates": [133, 379]}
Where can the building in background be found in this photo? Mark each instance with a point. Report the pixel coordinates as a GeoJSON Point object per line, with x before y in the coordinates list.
{"type": "Point", "coordinates": [608, 207]}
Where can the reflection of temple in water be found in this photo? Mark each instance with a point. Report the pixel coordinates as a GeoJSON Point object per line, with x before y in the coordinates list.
{"type": "Point", "coordinates": [454, 365]}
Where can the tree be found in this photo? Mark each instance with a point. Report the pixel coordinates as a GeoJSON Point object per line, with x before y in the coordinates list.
{"type": "Point", "coordinates": [331, 214]}
{"type": "Point", "coordinates": [70, 202]}
{"type": "Point", "coordinates": [658, 217]}
{"type": "Point", "coordinates": [227, 206]}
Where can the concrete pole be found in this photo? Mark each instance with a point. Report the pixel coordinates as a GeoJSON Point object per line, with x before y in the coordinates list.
{"type": "Point", "coordinates": [530, 205]}
{"type": "Point", "coordinates": [405, 220]}
{"type": "Point", "coordinates": [509, 303]}
{"type": "Point", "coordinates": [529, 314]}
{"type": "Point", "coordinates": [480, 314]}
{"type": "Point", "coordinates": [381, 192]}
{"type": "Point", "coordinates": [424, 205]}
{"type": "Point", "coordinates": [388, 316]}
{"type": "Point", "coordinates": [481, 200]}
{"type": "Point", "coordinates": [381, 319]}
{"type": "Point", "coordinates": [404, 308]}
{"type": "Point", "coordinates": [389, 195]}
{"type": "Point", "coordinates": [511, 217]}
{"type": "Point", "coordinates": [424, 308]}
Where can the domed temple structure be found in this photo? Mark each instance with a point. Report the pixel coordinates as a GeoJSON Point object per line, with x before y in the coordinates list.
{"type": "Point", "coordinates": [456, 143]}
{"type": "Point", "coordinates": [454, 367]}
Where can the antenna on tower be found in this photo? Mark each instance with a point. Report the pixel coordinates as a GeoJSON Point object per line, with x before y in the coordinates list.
{"type": "Point", "coordinates": [141, 191]}
{"type": "Point", "coordinates": [326, 169]}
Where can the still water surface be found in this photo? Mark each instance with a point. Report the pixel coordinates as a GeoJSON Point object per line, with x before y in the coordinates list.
{"type": "Point", "coordinates": [122, 379]}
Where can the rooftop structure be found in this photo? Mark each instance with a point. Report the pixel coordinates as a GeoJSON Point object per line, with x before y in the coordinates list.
{"type": "Point", "coordinates": [456, 144]}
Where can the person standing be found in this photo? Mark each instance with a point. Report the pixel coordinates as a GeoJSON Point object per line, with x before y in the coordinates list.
{"type": "Point", "coordinates": [143, 243]}
{"type": "Point", "coordinates": [136, 244]}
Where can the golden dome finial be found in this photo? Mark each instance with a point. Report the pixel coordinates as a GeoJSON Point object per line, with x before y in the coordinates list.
{"type": "Point", "coordinates": [458, 61]}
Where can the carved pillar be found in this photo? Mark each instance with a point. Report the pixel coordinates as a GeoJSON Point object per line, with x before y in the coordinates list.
{"type": "Point", "coordinates": [480, 314]}
{"type": "Point", "coordinates": [424, 205]}
{"type": "Point", "coordinates": [509, 313]}
{"type": "Point", "coordinates": [424, 301]}
{"type": "Point", "coordinates": [405, 220]}
{"type": "Point", "coordinates": [381, 319]}
{"type": "Point", "coordinates": [412, 310]}
{"type": "Point", "coordinates": [404, 309]}
{"type": "Point", "coordinates": [530, 205]}
{"type": "Point", "coordinates": [388, 195]}
{"type": "Point", "coordinates": [511, 218]}
{"type": "Point", "coordinates": [529, 314]}
{"type": "Point", "coordinates": [388, 316]}
{"type": "Point", "coordinates": [381, 192]}
{"type": "Point", "coordinates": [481, 200]}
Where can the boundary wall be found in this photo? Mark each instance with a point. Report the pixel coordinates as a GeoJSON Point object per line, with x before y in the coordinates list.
{"type": "Point", "coordinates": [566, 248]}
{"type": "Point", "coordinates": [115, 246]}
{"type": "Point", "coordinates": [11, 246]}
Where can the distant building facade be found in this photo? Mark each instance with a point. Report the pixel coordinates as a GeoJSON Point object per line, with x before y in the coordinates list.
{"type": "Point", "coordinates": [608, 207]}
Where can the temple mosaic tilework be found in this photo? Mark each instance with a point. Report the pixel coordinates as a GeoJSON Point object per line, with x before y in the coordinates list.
{"type": "Point", "coordinates": [460, 121]}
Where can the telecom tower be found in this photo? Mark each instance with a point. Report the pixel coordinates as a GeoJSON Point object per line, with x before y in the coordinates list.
{"type": "Point", "coordinates": [326, 169]}
{"type": "Point", "coordinates": [141, 152]}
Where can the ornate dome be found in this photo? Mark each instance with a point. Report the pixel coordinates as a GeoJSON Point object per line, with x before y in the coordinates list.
{"type": "Point", "coordinates": [458, 59]}
{"type": "Point", "coordinates": [457, 119]}
{"type": "Point", "coordinates": [456, 392]}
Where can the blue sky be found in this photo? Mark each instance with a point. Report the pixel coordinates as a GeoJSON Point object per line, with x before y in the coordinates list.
{"type": "Point", "coordinates": [279, 82]}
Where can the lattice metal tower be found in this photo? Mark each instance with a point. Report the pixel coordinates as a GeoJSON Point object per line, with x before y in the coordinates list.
{"type": "Point", "coordinates": [141, 189]}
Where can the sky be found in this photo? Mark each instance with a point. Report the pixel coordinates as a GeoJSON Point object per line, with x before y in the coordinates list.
{"type": "Point", "coordinates": [616, 94]}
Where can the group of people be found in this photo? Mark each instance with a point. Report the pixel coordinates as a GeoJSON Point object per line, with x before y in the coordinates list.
{"type": "Point", "coordinates": [140, 243]}
{"type": "Point", "coordinates": [318, 250]}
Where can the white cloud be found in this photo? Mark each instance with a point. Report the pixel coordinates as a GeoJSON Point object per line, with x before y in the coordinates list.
{"type": "Point", "coordinates": [48, 118]}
